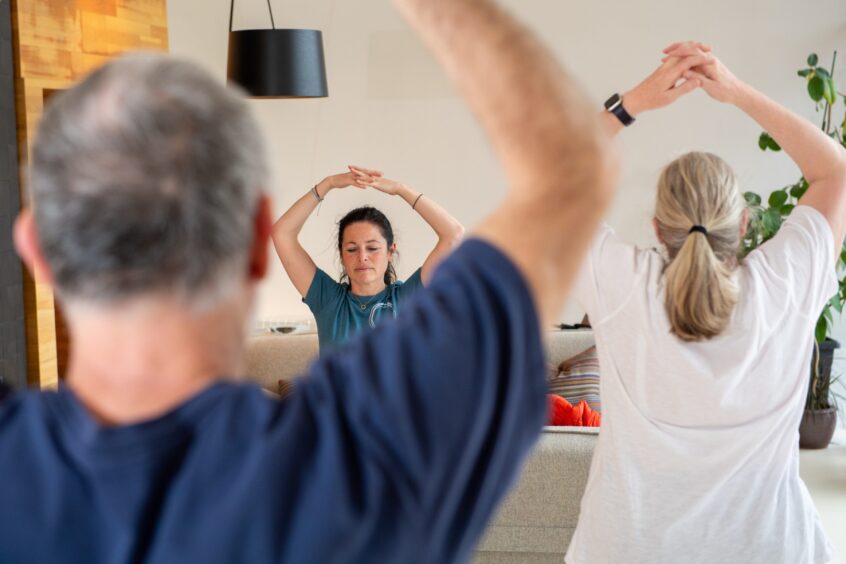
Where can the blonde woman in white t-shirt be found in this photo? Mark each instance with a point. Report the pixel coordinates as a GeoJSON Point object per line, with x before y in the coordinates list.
{"type": "Point", "coordinates": [705, 358]}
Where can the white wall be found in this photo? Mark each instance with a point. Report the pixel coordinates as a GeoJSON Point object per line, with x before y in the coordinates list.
{"type": "Point", "coordinates": [390, 107]}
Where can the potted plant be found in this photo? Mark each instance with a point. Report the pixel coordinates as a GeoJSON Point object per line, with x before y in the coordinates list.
{"type": "Point", "coordinates": [820, 417]}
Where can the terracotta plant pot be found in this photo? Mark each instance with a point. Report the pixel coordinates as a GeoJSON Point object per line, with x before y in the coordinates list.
{"type": "Point", "coordinates": [817, 428]}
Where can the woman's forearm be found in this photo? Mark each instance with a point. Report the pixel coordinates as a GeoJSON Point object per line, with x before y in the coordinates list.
{"type": "Point", "coordinates": [445, 226]}
{"type": "Point", "coordinates": [817, 155]}
{"type": "Point", "coordinates": [611, 124]}
{"type": "Point", "coordinates": [292, 221]}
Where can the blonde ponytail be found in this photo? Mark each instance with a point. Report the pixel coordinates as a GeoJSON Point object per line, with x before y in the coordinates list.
{"type": "Point", "coordinates": [699, 189]}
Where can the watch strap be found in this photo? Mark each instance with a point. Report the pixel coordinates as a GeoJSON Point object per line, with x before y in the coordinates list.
{"type": "Point", "coordinates": [614, 105]}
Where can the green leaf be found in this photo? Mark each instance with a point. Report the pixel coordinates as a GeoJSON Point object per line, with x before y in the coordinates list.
{"type": "Point", "coordinates": [798, 190]}
{"type": "Point", "coordinates": [837, 303]}
{"type": "Point", "coordinates": [822, 73]}
{"type": "Point", "coordinates": [827, 314]}
{"type": "Point", "coordinates": [752, 198]}
{"type": "Point", "coordinates": [786, 209]}
{"type": "Point", "coordinates": [804, 72]}
{"type": "Point", "coordinates": [829, 93]}
{"type": "Point", "coordinates": [821, 330]}
{"type": "Point", "coordinates": [816, 86]}
{"type": "Point", "coordinates": [812, 60]}
{"type": "Point", "coordinates": [771, 221]}
{"type": "Point", "coordinates": [766, 142]}
{"type": "Point", "coordinates": [778, 199]}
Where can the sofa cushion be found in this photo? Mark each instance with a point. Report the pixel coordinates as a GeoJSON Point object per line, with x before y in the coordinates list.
{"type": "Point", "coordinates": [539, 515]}
{"type": "Point", "coordinates": [271, 358]}
{"type": "Point", "coordinates": [562, 413]}
{"type": "Point", "coordinates": [564, 344]}
{"type": "Point", "coordinates": [577, 379]}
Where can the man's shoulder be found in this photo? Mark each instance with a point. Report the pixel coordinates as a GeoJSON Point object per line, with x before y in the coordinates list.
{"type": "Point", "coordinates": [478, 257]}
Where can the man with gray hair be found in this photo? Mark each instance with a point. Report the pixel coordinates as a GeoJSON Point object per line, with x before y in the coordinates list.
{"type": "Point", "coordinates": [150, 222]}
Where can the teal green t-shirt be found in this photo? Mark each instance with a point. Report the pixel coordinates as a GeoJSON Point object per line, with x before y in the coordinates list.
{"type": "Point", "coordinates": [340, 314]}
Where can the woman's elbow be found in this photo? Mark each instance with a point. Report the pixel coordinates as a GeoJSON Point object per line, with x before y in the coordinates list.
{"type": "Point", "coordinates": [282, 235]}
{"type": "Point", "coordinates": [456, 235]}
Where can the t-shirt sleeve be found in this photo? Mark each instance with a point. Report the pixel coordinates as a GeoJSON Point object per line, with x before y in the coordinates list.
{"type": "Point", "coordinates": [800, 260]}
{"type": "Point", "coordinates": [411, 285]}
{"type": "Point", "coordinates": [322, 292]}
{"type": "Point", "coordinates": [441, 404]}
{"type": "Point", "coordinates": [607, 275]}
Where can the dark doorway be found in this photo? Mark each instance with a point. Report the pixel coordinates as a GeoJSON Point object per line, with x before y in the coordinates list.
{"type": "Point", "coordinates": [12, 322]}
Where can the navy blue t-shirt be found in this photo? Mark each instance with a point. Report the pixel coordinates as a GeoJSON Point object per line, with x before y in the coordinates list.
{"type": "Point", "coordinates": [396, 447]}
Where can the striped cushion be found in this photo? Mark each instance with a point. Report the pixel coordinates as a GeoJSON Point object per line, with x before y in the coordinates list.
{"type": "Point", "coordinates": [577, 378]}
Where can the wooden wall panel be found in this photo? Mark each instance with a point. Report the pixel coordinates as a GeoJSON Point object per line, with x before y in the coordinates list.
{"type": "Point", "coordinates": [57, 42]}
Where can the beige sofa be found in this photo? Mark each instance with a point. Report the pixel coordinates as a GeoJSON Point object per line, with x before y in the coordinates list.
{"type": "Point", "coordinates": [536, 521]}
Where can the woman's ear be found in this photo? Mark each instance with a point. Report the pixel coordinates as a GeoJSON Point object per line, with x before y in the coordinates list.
{"type": "Point", "coordinates": [392, 249]}
{"type": "Point", "coordinates": [657, 231]}
{"type": "Point", "coordinates": [744, 222]}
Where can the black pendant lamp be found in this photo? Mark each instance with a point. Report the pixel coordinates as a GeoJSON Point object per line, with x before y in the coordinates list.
{"type": "Point", "coordinates": [277, 63]}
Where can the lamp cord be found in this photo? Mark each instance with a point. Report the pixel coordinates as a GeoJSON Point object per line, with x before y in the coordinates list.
{"type": "Point", "coordinates": [232, 9]}
{"type": "Point", "coordinates": [269, 9]}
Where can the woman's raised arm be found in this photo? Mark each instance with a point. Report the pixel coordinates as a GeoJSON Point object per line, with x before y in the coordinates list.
{"type": "Point", "coordinates": [297, 262]}
{"type": "Point", "coordinates": [446, 227]}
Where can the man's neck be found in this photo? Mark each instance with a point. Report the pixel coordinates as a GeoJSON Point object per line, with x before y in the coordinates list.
{"type": "Point", "coordinates": [138, 362]}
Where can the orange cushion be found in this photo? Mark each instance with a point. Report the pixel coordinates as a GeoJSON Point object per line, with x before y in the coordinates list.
{"type": "Point", "coordinates": [563, 413]}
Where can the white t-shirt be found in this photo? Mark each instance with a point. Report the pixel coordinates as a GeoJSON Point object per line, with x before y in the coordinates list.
{"type": "Point", "coordinates": [698, 454]}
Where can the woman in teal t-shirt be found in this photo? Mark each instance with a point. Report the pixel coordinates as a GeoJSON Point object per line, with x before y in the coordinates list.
{"type": "Point", "coordinates": [368, 289]}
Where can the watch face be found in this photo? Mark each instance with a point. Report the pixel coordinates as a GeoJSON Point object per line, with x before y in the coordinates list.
{"type": "Point", "coordinates": [612, 101]}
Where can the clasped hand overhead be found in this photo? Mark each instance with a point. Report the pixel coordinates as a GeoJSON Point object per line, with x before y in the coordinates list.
{"type": "Point", "coordinates": [685, 67]}
{"type": "Point", "coordinates": [360, 177]}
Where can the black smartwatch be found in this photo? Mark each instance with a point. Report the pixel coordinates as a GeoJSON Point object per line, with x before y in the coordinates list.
{"type": "Point", "coordinates": [614, 104]}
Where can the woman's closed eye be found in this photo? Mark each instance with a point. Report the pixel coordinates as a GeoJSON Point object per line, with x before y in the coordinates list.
{"type": "Point", "coordinates": [353, 250]}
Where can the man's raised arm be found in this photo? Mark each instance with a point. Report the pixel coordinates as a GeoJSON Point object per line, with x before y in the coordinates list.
{"type": "Point", "coordinates": [559, 162]}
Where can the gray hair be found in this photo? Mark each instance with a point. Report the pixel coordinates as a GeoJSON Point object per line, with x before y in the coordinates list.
{"type": "Point", "coordinates": [146, 177]}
